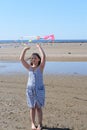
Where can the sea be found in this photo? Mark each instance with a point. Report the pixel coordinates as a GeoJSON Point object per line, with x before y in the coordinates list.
{"type": "Point", "coordinates": [45, 41]}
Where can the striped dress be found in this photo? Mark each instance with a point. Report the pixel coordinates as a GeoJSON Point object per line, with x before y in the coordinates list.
{"type": "Point", "coordinates": [35, 90]}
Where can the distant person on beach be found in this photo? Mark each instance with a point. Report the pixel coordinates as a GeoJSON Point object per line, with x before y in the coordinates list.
{"type": "Point", "coordinates": [35, 90]}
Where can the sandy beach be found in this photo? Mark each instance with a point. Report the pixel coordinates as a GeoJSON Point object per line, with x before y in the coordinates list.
{"type": "Point", "coordinates": [66, 103]}
{"type": "Point", "coordinates": [66, 95]}
{"type": "Point", "coordinates": [54, 52]}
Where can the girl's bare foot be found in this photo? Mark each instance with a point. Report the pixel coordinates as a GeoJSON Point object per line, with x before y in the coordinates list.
{"type": "Point", "coordinates": [33, 127]}
{"type": "Point", "coordinates": [39, 127]}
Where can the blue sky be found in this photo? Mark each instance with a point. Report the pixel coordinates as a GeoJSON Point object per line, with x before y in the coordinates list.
{"type": "Point", "coordinates": [66, 19]}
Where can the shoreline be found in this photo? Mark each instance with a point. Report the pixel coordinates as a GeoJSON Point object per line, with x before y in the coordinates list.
{"type": "Point", "coordinates": [66, 95]}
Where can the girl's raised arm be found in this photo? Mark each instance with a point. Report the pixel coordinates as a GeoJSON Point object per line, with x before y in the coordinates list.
{"type": "Point", "coordinates": [22, 58]}
{"type": "Point", "coordinates": [43, 56]}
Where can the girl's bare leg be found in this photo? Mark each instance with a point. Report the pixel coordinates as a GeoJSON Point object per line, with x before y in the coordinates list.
{"type": "Point", "coordinates": [32, 117]}
{"type": "Point", "coordinates": [40, 116]}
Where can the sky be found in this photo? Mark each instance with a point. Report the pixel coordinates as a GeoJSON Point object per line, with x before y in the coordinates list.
{"type": "Point", "coordinates": [66, 19]}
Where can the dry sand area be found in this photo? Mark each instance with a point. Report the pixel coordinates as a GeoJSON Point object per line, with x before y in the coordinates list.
{"type": "Point", "coordinates": [54, 52]}
{"type": "Point", "coordinates": [66, 95]}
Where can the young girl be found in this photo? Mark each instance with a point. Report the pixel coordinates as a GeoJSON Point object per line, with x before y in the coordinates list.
{"type": "Point", "coordinates": [35, 88]}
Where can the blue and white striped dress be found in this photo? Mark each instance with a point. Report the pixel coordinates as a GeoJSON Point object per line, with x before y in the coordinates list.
{"type": "Point", "coordinates": [35, 91]}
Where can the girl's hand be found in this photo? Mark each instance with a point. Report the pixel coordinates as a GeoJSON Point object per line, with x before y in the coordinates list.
{"type": "Point", "coordinates": [38, 45]}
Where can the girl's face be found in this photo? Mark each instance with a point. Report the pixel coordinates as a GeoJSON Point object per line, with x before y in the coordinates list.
{"type": "Point", "coordinates": [34, 60]}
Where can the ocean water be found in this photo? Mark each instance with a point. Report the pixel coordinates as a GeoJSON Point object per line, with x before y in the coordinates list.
{"type": "Point", "coordinates": [55, 68]}
{"type": "Point", "coordinates": [45, 41]}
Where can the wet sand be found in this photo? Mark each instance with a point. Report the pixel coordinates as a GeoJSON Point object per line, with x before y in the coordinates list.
{"type": "Point", "coordinates": [65, 107]}
{"type": "Point", "coordinates": [66, 96]}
